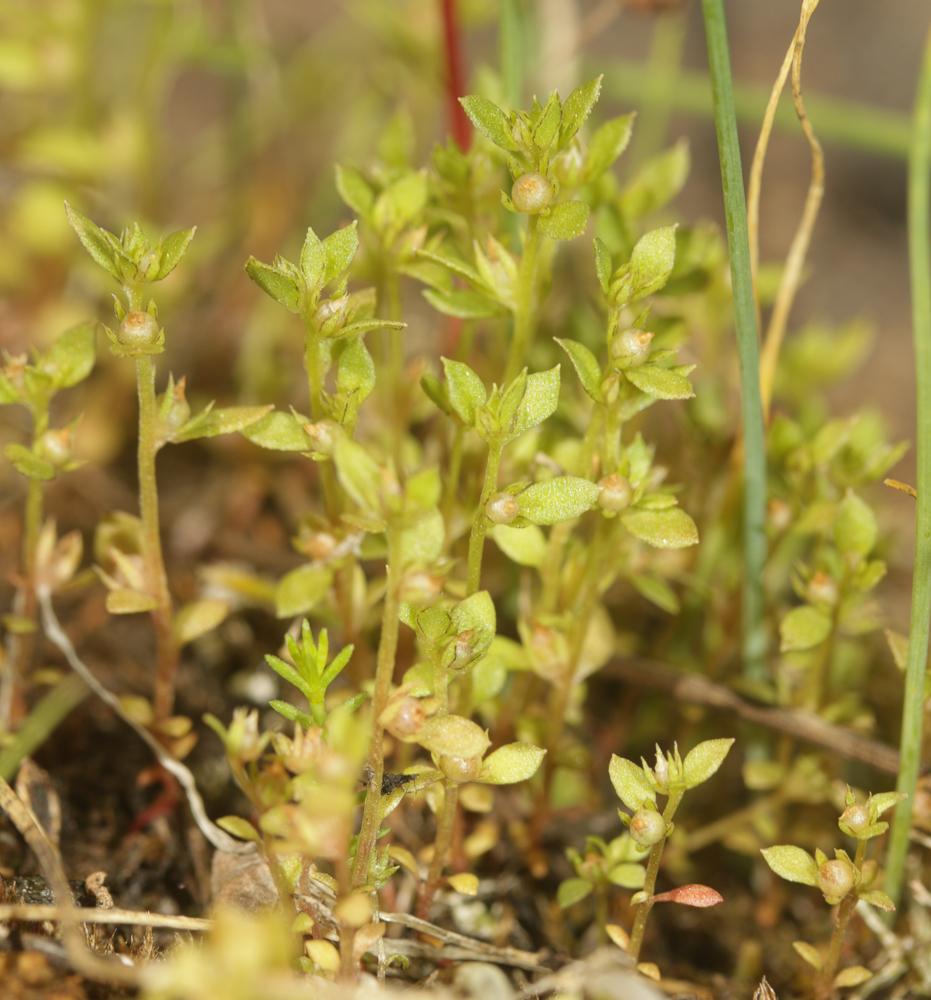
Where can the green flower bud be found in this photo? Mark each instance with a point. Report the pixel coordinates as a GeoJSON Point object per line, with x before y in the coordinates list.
{"type": "Point", "coordinates": [502, 509]}
{"type": "Point", "coordinates": [647, 827]}
{"type": "Point", "coordinates": [631, 348]}
{"type": "Point", "coordinates": [615, 493]}
{"type": "Point", "coordinates": [532, 194]}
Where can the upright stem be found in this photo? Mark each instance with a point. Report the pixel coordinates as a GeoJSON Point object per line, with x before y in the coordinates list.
{"type": "Point", "coordinates": [584, 607]}
{"type": "Point", "coordinates": [22, 643]}
{"type": "Point", "coordinates": [824, 988]}
{"type": "Point", "coordinates": [754, 455]}
{"type": "Point", "coordinates": [649, 883]}
{"type": "Point", "coordinates": [919, 206]}
{"type": "Point", "coordinates": [525, 317]}
{"type": "Point", "coordinates": [156, 580]}
{"type": "Point", "coordinates": [314, 369]}
{"type": "Point", "coordinates": [480, 522]}
{"type": "Point", "coordinates": [384, 671]}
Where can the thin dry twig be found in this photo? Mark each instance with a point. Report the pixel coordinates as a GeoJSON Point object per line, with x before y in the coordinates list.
{"type": "Point", "coordinates": [802, 725]}
{"type": "Point", "coordinates": [221, 840]}
{"type": "Point", "coordinates": [34, 913]}
{"type": "Point", "coordinates": [798, 250]}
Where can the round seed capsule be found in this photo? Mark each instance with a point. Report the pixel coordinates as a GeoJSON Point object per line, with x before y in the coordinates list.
{"type": "Point", "coordinates": [138, 329]}
{"type": "Point", "coordinates": [532, 193]}
{"type": "Point", "coordinates": [615, 493]}
{"type": "Point", "coordinates": [461, 769]}
{"type": "Point", "coordinates": [647, 827]}
{"type": "Point", "coordinates": [631, 348]}
{"type": "Point", "coordinates": [836, 879]}
{"type": "Point", "coordinates": [502, 509]}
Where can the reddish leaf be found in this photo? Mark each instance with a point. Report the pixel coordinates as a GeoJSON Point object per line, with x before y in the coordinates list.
{"type": "Point", "coordinates": [690, 895]}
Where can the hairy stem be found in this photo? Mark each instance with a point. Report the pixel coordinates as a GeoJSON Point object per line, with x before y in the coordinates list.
{"type": "Point", "coordinates": [156, 579]}
{"type": "Point", "coordinates": [480, 522]}
{"type": "Point", "coordinates": [824, 988]}
{"type": "Point", "coordinates": [525, 317]}
{"type": "Point", "coordinates": [753, 630]}
{"type": "Point", "coordinates": [384, 671]}
{"type": "Point", "coordinates": [649, 883]}
{"type": "Point", "coordinates": [919, 208]}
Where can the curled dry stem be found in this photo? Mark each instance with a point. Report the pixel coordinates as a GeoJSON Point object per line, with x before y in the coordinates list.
{"type": "Point", "coordinates": [798, 250]}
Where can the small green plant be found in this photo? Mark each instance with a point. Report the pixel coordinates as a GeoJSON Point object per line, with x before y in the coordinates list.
{"type": "Point", "coordinates": [843, 881]}
{"type": "Point", "coordinates": [638, 787]}
{"type": "Point", "coordinates": [137, 580]}
{"type": "Point", "coordinates": [34, 384]}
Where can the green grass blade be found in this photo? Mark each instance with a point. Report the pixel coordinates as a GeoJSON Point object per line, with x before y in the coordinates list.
{"type": "Point", "coordinates": [513, 42]}
{"type": "Point", "coordinates": [919, 244]}
{"type": "Point", "coordinates": [753, 637]}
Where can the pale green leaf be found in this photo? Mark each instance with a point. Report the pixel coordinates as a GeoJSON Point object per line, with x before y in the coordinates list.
{"type": "Point", "coordinates": [664, 529]}
{"type": "Point", "coordinates": [792, 863]}
{"type": "Point", "coordinates": [559, 499]}
{"type": "Point", "coordinates": [511, 763]}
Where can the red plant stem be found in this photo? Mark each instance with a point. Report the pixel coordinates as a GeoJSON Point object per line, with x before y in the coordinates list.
{"type": "Point", "coordinates": [459, 124]}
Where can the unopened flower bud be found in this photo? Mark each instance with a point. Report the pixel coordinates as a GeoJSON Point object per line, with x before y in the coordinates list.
{"type": "Point", "coordinates": [532, 193]}
{"type": "Point", "coordinates": [647, 827]}
{"type": "Point", "coordinates": [502, 509]}
{"type": "Point", "coordinates": [55, 447]}
{"type": "Point", "coordinates": [319, 545]}
{"type": "Point", "coordinates": [461, 769]}
{"type": "Point", "coordinates": [332, 312]}
{"type": "Point", "coordinates": [139, 329]}
{"type": "Point", "coordinates": [822, 589]}
{"type": "Point", "coordinates": [780, 514]}
{"type": "Point", "coordinates": [615, 493]}
{"type": "Point", "coordinates": [836, 879]}
{"type": "Point", "coordinates": [631, 348]}
{"type": "Point", "coordinates": [322, 435]}
{"type": "Point", "coordinates": [465, 647]}
{"type": "Point", "coordinates": [178, 411]}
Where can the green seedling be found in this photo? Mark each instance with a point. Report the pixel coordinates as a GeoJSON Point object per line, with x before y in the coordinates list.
{"type": "Point", "coordinates": [843, 881]}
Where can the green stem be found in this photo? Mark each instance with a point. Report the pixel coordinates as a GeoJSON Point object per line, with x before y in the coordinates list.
{"type": "Point", "coordinates": [919, 204]}
{"type": "Point", "coordinates": [313, 365]}
{"type": "Point", "coordinates": [583, 609]}
{"type": "Point", "coordinates": [384, 671]}
{"type": "Point", "coordinates": [753, 632]}
{"type": "Point", "coordinates": [446, 824]}
{"type": "Point", "coordinates": [480, 522]}
{"type": "Point", "coordinates": [649, 883]}
{"type": "Point", "coordinates": [525, 307]}
{"type": "Point", "coordinates": [880, 131]}
{"type": "Point", "coordinates": [156, 578]}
